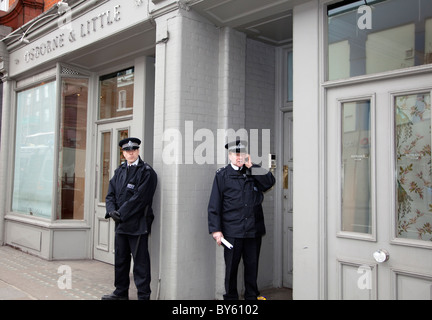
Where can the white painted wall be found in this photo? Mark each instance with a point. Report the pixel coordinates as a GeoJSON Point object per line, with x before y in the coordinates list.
{"type": "Point", "coordinates": [306, 151]}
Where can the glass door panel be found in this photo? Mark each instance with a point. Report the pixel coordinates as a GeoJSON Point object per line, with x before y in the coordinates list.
{"type": "Point", "coordinates": [122, 134]}
{"type": "Point", "coordinates": [105, 154]}
{"type": "Point", "coordinates": [413, 166]}
{"type": "Point", "coordinates": [108, 157]}
{"type": "Point", "coordinates": [356, 167]}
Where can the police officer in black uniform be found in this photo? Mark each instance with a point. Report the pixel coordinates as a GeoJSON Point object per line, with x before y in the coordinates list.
{"type": "Point", "coordinates": [235, 213]}
{"type": "Point", "coordinates": [129, 204]}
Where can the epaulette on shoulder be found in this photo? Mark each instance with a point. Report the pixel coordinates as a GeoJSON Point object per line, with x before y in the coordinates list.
{"type": "Point", "coordinates": [220, 170]}
{"type": "Point", "coordinates": [146, 165]}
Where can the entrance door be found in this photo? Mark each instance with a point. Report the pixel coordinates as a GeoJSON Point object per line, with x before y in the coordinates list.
{"type": "Point", "coordinates": [108, 158]}
{"type": "Point", "coordinates": [379, 190]}
{"type": "Point", "coordinates": [287, 238]}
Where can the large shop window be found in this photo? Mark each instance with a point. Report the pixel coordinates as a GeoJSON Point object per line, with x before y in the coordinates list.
{"type": "Point", "coordinates": [34, 151]}
{"type": "Point", "coordinates": [116, 94]}
{"type": "Point", "coordinates": [387, 35]}
{"type": "Point", "coordinates": [72, 155]}
{"type": "Point", "coordinates": [38, 190]}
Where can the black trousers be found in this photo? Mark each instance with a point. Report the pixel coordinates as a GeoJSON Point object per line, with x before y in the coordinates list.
{"type": "Point", "coordinates": [137, 246]}
{"type": "Point", "coordinates": [249, 250]}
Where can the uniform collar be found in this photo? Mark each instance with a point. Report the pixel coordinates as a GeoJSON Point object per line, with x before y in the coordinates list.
{"type": "Point", "coordinates": [134, 163]}
{"type": "Point", "coordinates": [236, 168]}
{"type": "Point", "coordinates": [125, 164]}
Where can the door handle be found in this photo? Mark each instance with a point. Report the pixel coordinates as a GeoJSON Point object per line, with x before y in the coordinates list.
{"type": "Point", "coordinates": [381, 255]}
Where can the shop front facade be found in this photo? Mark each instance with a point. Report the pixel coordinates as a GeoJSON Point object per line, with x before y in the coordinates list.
{"type": "Point", "coordinates": [332, 111]}
{"type": "Point", "coordinates": [77, 84]}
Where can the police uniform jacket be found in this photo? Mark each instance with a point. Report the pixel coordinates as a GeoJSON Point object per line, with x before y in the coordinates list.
{"type": "Point", "coordinates": [235, 202]}
{"type": "Point", "coordinates": [130, 193]}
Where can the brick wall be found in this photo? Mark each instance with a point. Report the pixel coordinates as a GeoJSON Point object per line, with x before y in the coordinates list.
{"type": "Point", "coordinates": [50, 3]}
{"type": "Point", "coordinates": [47, 3]}
{"type": "Point", "coordinates": [22, 11]}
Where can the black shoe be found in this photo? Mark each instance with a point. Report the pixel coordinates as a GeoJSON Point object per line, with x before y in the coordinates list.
{"type": "Point", "coordinates": [113, 296]}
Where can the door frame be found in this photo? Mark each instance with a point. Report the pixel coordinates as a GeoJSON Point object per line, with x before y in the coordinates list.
{"type": "Point", "coordinates": [112, 127]}
{"type": "Point", "coordinates": [287, 200]}
{"type": "Point", "coordinates": [282, 106]}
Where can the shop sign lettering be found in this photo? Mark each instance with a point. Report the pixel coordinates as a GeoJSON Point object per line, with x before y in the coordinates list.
{"type": "Point", "coordinates": [44, 48]}
{"type": "Point", "coordinates": [100, 21]}
{"type": "Point", "coordinates": [70, 35]}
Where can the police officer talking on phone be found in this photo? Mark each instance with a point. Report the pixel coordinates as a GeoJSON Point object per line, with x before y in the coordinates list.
{"type": "Point", "coordinates": [235, 213]}
{"type": "Point", "coordinates": [129, 204]}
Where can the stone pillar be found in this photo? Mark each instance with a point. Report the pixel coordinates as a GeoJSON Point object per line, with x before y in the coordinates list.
{"type": "Point", "coordinates": [185, 101]}
{"type": "Point", "coordinates": [5, 135]}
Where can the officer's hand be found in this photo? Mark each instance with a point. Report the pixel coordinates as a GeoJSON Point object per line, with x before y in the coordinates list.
{"type": "Point", "coordinates": [217, 236]}
{"type": "Point", "coordinates": [248, 161]}
{"type": "Point", "coordinates": [115, 216]}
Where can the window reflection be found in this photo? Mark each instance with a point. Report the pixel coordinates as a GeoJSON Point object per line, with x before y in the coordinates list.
{"type": "Point", "coordinates": [400, 36]}
{"type": "Point", "coordinates": [106, 165]}
{"type": "Point", "coordinates": [122, 134]}
{"type": "Point", "coordinates": [72, 156]}
{"type": "Point", "coordinates": [116, 94]}
{"type": "Point", "coordinates": [289, 77]}
{"type": "Point", "coordinates": [108, 157]}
